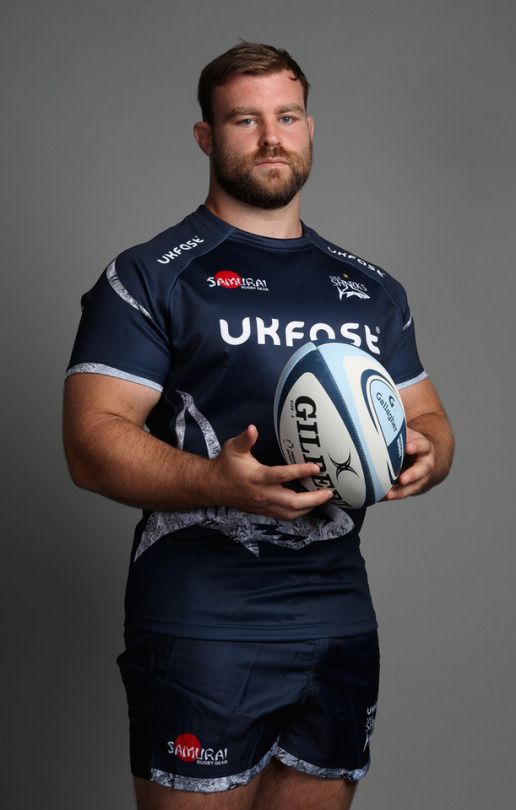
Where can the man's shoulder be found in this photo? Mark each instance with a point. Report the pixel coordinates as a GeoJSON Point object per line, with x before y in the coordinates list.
{"type": "Point", "coordinates": [175, 245]}
{"type": "Point", "coordinates": [372, 270]}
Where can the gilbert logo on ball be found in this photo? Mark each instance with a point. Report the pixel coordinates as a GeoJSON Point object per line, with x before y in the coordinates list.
{"type": "Point", "coordinates": [337, 406]}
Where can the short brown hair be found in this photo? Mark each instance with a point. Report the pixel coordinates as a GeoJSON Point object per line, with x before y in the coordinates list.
{"type": "Point", "coordinates": [248, 58]}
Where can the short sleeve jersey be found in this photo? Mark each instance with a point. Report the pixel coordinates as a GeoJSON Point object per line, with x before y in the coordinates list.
{"type": "Point", "coordinates": [208, 315]}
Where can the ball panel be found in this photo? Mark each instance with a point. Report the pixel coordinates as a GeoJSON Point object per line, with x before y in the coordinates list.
{"type": "Point", "coordinates": [348, 364]}
{"type": "Point", "coordinates": [386, 408]}
{"type": "Point", "coordinates": [312, 430]}
{"type": "Point", "coordinates": [283, 386]}
{"type": "Point", "coordinates": [344, 365]}
{"type": "Point", "coordinates": [384, 461]}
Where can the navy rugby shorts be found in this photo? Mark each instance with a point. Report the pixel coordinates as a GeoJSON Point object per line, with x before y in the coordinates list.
{"type": "Point", "coordinates": [209, 715]}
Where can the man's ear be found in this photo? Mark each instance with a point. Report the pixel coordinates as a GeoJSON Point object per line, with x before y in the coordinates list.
{"type": "Point", "coordinates": [310, 122]}
{"type": "Point", "coordinates": [203, 136]}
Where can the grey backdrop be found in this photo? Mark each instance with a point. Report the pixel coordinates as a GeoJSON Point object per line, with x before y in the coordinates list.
{"type": "Point", "coordinates": [415, 110]}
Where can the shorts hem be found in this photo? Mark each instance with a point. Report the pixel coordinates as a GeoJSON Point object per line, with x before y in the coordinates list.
{"type": "Point", "coordinates": [215, 784]}
{"type": "Point", "coordinates": [314, 770]}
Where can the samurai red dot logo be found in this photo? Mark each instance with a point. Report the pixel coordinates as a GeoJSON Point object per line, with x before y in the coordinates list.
{"type": "Point", "coordinates": [231, 280]}
{"type": "Point", "coordinates": [228, 279]}
{"type": "Point", "coordinates": [187, 747]}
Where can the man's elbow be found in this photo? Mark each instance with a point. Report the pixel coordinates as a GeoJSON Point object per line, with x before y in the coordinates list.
{"type": "Point", "coordinates": [79, 466]}
{"type": "Point", "coordinates": [445, 454]}
{"type": "Point", "coordinates": [451, 451]}
{"type": "Point", "coordinates": [79, 473]}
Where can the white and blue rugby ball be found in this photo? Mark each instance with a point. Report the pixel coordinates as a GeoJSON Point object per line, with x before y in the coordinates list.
{"type": "Point", "coordinates": [337, 406]}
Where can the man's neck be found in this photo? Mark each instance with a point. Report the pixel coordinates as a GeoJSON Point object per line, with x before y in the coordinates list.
{"type": "Point", "coordinates": [279, 223]}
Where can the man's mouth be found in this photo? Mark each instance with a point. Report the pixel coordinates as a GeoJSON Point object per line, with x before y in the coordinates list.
{"type": "Point", "coordinates": [272, 161]}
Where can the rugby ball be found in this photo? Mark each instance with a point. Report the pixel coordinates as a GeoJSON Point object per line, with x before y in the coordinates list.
{"type": "Point", "coordinates": [337, 406]}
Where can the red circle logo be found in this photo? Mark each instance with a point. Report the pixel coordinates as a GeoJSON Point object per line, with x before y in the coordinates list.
{"type": "Point", "coordinates": [228, 279]}
{"type": "Point", "coordinates": [187, 747]}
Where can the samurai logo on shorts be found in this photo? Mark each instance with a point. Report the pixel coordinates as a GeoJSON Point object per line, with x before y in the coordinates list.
{"type": "Point", "coordinates": [187, 747]}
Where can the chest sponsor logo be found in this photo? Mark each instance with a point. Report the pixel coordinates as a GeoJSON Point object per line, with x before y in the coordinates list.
{"type": "Point", "coordinates": [349, 289]}
{"type": "Point", "coordinates": [346, 255]}
{"type": "Point", "coordinates": [188, 748]}
{"type": "Point", "coordinates": [190, 244]}
{"type": "Point", "coordinates": [272, 332]}
{"type": "Point", "coordinates": [231, 280]}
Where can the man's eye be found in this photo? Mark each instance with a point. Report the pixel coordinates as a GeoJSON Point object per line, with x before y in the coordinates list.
{"type": "Point", "coordinates": [287, 119]}
{"type": "Point", "coordinates": [245, 122]}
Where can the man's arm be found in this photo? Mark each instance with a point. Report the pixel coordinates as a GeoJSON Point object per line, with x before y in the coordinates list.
{"type": "Point", "coordinates": [430, 443]}
{"type": "Point", "coordinates": [109, 452]}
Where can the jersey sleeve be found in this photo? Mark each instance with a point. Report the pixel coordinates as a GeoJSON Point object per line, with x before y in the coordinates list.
{"type": "Point", "coordinates": [405, 365]}
{"type": "Point", "coordinates": [123, 329]}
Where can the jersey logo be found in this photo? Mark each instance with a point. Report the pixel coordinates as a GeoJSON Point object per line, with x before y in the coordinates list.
{"type": "Point", "coordinates": [277, 334]}
{"type": "Point", "coordinates": [231, 280]}
{"type": "Point", "coordinates": [190, 244]}
{"type": "Point", "coordinates": [346, 255]}
{"type": "Point", "coordinates": [349, 289]}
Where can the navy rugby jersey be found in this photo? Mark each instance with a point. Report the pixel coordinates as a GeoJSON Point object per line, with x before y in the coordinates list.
{"type": "Point", "coordinates": [208, 315]}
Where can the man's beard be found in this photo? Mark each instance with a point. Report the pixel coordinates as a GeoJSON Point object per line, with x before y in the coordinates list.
{"type": "Point", "coordinates": [270, 189]}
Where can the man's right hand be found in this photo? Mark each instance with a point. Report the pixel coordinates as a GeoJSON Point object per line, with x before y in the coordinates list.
{"type": "Point", "coordinates": [243, 483]}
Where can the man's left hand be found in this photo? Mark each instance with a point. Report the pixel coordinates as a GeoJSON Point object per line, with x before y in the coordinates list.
{"type": "Point", "coordinates": [417, 475]}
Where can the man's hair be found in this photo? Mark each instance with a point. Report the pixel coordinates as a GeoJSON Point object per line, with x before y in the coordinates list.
{"type": "Point", "coordinates": [248, 58]}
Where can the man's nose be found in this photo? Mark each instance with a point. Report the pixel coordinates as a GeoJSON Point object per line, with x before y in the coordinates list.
{"type": "Point", "coordinates": [269, 135]}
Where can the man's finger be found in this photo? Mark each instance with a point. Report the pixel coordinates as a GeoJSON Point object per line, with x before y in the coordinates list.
{"type": "Point", "coordinates": [411, 475]}
{"type": "Point", "coordinates": [418, 446]}
{"type": "Point", "coordinates": [304, 500]}
{"type": "Point", "coordinates": [295, 504]}
{"type": "Point", "coordinates": [245, 441]}
{"type": "Point", "coordinates": [286, 473]}
{"type": "Point", "coordinates": [398, 492]}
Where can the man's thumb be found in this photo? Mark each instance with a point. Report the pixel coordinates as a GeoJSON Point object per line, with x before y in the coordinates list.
{"type": "Point", "coordinates": [245, 441]}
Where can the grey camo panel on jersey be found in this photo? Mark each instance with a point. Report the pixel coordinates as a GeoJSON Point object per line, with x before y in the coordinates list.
{"type": "Point", "coordinates": [243, 527]}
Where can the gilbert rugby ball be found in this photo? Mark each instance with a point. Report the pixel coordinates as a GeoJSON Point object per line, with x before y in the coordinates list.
{"type": "Point", "coordinates": [337, 406]}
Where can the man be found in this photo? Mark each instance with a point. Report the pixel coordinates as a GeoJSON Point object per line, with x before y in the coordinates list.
{"type": "Point", "coordinates": [251, 662]}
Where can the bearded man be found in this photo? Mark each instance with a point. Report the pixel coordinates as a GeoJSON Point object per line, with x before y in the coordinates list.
{"type": "Point", "coordinates": [251, 660]}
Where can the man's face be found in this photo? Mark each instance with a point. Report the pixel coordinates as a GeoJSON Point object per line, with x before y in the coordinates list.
{"type": "Point", "coordinates": [261, 145]}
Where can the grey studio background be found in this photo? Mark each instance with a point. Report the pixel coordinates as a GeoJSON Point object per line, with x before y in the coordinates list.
{"type": "Point", "coordinates": [414, 169]}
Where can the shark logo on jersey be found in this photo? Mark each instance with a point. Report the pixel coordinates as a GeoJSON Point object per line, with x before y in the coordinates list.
{"type": "Point", "coordinates": [243, 527]}
{"type": "Point", "coordinates": [349, 289]}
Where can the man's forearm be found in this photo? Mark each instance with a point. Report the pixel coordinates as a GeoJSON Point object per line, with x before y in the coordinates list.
{"type": "Point", "coordinates": [126, 463]}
